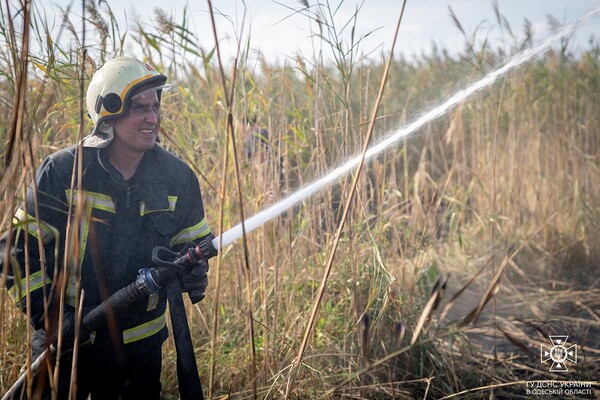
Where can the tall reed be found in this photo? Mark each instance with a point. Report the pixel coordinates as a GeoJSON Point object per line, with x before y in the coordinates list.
{"type": "Point", "coordinates": [463, 249]}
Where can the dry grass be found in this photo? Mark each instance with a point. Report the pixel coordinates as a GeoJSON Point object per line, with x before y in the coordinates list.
{"type": "Point", "coordinates": [463, 250]}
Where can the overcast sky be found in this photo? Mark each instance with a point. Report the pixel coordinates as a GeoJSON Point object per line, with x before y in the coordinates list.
{"type": "Point", "coordinates": [278, 30]}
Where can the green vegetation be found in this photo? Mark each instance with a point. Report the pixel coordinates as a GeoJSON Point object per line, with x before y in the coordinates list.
{"type": "Point", "coordinates": [463, 250]}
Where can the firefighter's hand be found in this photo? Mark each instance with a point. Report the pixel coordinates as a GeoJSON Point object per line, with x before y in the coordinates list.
{"type": "Point", "coordinates": [195, 281]}
{"type": "Point", "coordinates": [68, 332]}
{"type": "Point", "coordinates": [39, 343]}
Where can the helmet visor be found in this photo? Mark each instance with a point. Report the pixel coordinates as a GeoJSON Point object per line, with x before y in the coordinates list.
{"type": "Point", "coordinates": [162, 88]}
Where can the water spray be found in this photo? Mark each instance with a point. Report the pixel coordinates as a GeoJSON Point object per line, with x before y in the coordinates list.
{"type": "Point", "coordinates": [398, 135]}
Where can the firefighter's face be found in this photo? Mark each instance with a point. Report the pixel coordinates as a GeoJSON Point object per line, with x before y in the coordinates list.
{"type": "Point", "coordinates": [138, 129]}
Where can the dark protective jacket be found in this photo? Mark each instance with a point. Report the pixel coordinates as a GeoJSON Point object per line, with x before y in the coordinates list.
{"type": "Point", "coordinates": [117, 224]}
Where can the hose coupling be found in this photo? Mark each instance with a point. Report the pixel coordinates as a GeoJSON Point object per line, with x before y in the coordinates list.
{"type": "Point", "coordinates": [146, 283]}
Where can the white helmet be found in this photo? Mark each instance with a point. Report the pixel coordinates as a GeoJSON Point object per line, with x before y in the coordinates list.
{"type": "Point", "coordinates": [109, 92]}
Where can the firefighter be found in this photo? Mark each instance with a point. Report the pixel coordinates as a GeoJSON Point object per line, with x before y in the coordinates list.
{"type": "Point", "coordinates": [133, 195]}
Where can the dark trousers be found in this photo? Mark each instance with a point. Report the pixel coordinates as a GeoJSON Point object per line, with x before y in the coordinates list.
{"type": "Point", "coordinates": [138, 377]}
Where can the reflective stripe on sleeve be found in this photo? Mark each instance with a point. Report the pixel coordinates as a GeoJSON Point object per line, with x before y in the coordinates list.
{"type": "Point", "coordinates": [75, 267]}
{"type": "Point", "coordinates": [92, 200]}
{"type": "Point", "coordinates": [31, 225]}
{"type": "Point", "coordinates": [19, 290]}
{"type": "Point", "coordinates": [192, 233]}
{"type": "Point", "coordinates": [144, 330]}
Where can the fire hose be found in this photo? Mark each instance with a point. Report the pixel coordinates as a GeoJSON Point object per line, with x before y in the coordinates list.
{"type": "Point", "coordinates": [148, 282]}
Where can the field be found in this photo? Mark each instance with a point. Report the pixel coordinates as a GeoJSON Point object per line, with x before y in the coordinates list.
{"type": "Point", "coordinates": [439, 270]}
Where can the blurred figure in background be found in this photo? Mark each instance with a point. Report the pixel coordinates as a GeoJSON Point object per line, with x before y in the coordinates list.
{"type": "Point", "coordinates": [258, 145]}
{"type": "Point", "coordinates": [259, 155]}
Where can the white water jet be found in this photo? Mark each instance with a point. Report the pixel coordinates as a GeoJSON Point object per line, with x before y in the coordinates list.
{"type": "Point", "coordinates": [396, 136]}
